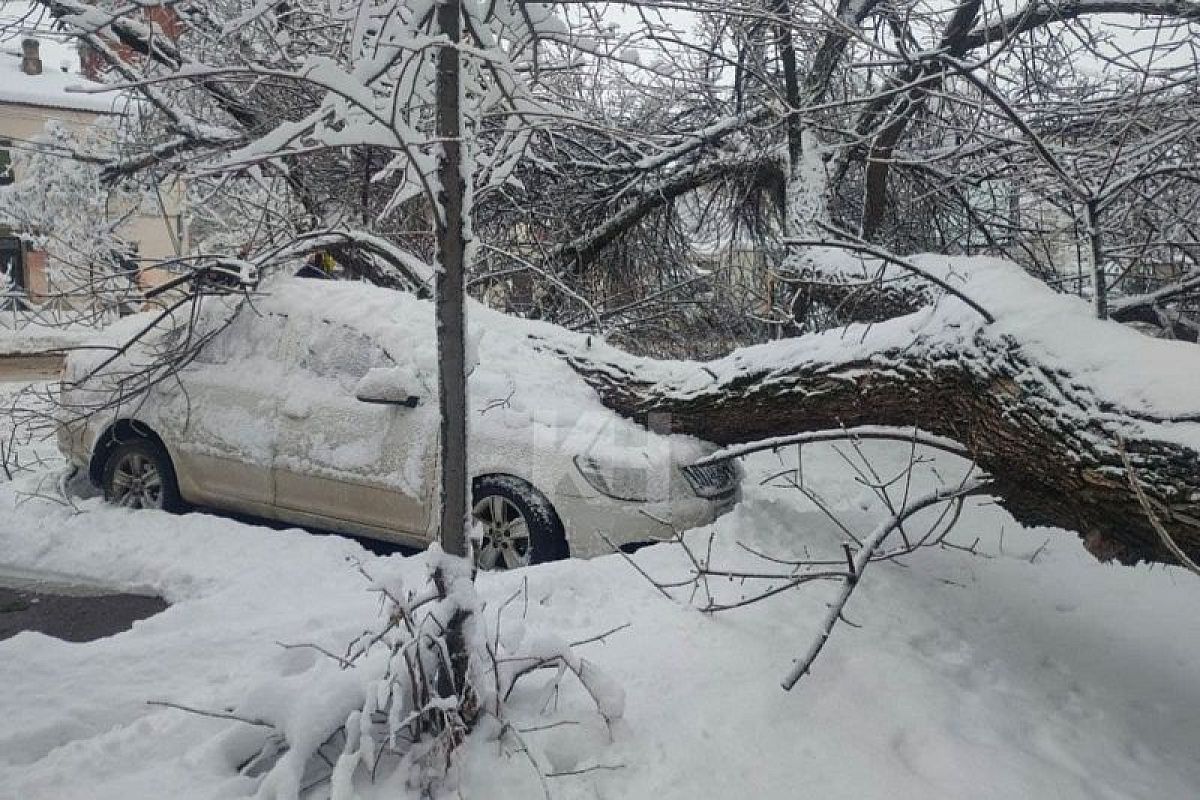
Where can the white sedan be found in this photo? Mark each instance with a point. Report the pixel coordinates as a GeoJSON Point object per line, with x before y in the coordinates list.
{"type": "Point", "coordinates": [316, 405]}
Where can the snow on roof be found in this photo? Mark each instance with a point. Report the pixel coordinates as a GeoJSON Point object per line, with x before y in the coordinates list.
{"type": "Point", "coordinates": [50, 88]}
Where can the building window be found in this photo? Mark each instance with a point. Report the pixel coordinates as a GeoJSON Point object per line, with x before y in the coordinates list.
{"type": "Point", "coordinates": [6, 175]}
{"type": "Point", "coordinates": [12, 272]}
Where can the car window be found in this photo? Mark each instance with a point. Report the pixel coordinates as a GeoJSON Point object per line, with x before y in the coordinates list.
{"type": "Point", "coordinates": [250, 333]}
{"type": "Point", "coordinates": [339, 353]}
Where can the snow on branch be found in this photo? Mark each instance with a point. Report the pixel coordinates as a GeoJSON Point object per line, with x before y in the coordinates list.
{"type": "Point", "coordinates": [389, 710]}
{"type": "Point", "coordinates": [1037, 14]}
{"type": "Point", "coordinates": [715, 571]}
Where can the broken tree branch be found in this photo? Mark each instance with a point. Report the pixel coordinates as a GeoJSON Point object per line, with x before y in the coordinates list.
{"type": "Point", "coordinates": [1037, 399]}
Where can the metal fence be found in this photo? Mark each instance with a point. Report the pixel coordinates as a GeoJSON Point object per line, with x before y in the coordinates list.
{"type": "Point", "coordinates": [69, 309]}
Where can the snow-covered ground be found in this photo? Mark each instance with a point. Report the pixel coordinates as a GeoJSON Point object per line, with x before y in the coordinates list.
{"type": "Point", "coordinates": [1027, 672]}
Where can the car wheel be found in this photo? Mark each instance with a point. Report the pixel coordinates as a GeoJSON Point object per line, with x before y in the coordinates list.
{"type": "Point", "coordinates": [138, 474]}
{"type": "Point", "coordinates": [520, 527]}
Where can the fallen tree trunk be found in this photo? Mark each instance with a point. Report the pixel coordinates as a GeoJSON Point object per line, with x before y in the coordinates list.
{"type": "Point", "coordinates": [1154, 308]}
{"type": "Point", "coordinates": [838, 285]}
{"type": "Point", "coordinates": [1044, 399]}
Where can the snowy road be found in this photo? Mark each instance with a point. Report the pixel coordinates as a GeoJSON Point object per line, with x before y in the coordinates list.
{"type": "Point", "coordinates": [63, 612]}
{"type": "Point", "coordinates": [67, 607]}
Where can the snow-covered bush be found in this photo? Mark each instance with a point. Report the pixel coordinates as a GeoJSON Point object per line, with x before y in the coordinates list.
{"type": "Point", "coordinates": [393, 709]}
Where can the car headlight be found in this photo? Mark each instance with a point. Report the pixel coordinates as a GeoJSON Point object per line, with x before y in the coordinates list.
{"type": "Point", "coordinates": [620, 481]}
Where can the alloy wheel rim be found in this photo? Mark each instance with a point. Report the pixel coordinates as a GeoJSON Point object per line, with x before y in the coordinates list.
{"type": "Point", "coordinates": [505, 543]}
{"type": "Point", "coordinates": [137, 482]}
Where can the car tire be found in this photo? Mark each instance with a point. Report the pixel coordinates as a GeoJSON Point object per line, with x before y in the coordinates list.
{"type": "Point", "coordinates": [138, 474]}
{"type": "Point", "coordinates": [520, 526]}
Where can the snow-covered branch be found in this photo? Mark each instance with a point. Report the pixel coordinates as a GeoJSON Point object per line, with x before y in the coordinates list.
{"type": "Point", "coordinates": [1039, 399]}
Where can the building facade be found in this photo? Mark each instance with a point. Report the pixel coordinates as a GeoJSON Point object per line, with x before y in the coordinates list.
{"type": "Point", "coordinates": [33, 95]}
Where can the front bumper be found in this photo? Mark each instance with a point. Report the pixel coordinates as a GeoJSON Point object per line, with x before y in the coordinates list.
{"type": "Point", "coordinates": [74, 443]}
{"type": "Point", "coordinates": [595, 525]}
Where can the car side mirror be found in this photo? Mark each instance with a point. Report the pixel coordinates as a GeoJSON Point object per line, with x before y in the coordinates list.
{"type": "Point", "coordinates": [383, 386]}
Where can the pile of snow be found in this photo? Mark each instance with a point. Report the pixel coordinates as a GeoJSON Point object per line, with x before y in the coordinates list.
{"type": "Point", "coordinates": [1033, 672]}
{"type": "Point", "coordinates": [510, 381]}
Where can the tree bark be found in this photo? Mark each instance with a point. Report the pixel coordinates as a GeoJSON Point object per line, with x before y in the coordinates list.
{"type": "Point", "coordinates": [1052, 446]}
{"type": "Point", "coordinates": [450, 296]}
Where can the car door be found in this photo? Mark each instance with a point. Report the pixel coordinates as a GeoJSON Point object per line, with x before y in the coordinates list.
{"type": "Point", "coordinates": [341, 459]}
{"type": "Point", "coordinates": [223, 411]}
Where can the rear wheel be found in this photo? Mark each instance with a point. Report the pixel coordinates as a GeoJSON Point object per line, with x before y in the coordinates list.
{"type": "Point", "coordinates": [520, 527]}
{"type": "Point", "coordinates": [138, 474]}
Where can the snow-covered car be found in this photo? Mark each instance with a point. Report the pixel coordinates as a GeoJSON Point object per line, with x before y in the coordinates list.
{"type": "Point", "coordinates": [316, 405]}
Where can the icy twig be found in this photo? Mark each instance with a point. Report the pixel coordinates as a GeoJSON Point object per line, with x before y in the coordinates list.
{"type": "Point", "coordinates": [859, 564]}
{"type": "Point", "coordinates": [1163, 534]}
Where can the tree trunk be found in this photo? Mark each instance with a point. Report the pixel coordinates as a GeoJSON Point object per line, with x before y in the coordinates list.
{"type": "Point", "coordinates": [1051, 444]}
{"type": "Point", "coordinates": [1099, 282]}
{"type": "Point", "coordinates": [451, 321]}
{"type": "Point", "coordinates": [450, 304]}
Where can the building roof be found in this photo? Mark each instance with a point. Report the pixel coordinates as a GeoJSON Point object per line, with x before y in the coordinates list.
{"type": "Point", "coordinates": [49, 89]}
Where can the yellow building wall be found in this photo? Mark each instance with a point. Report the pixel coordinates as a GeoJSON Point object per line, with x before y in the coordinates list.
{"type": "Point", "coordinates": [158, 235]}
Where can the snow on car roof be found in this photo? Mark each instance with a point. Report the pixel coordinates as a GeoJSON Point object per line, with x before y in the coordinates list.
{"type": "Point", "coordinates": [403, 325]}
{"type": "Point", "coordinates": [513, 385]}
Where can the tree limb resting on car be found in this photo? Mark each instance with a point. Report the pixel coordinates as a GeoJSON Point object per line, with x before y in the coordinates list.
{"type": "Point", "coordinates": [1045, 399]}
